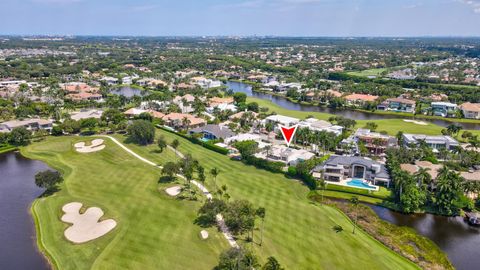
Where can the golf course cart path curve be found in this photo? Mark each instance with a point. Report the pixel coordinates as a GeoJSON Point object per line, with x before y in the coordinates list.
{"type": "Point", "coordinates": [220, 221]}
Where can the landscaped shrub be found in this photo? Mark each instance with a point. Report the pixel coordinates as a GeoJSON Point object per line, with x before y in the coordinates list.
{"type": "Point", "coordinates": [194, 140]}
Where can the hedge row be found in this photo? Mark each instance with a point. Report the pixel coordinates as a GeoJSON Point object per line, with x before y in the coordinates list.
{"type": "Point", "coordinates": [194, 140]}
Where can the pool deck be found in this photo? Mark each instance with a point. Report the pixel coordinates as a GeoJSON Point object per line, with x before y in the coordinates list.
{"type": "Point", "coordinates": [344, 183]}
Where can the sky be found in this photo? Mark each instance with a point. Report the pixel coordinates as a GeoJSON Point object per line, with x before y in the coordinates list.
{"type": "Point", "coordinates": [241, 17]}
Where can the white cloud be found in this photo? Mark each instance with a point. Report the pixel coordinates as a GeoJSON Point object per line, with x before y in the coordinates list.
{"type": "Point", "coordinates": [474, 4]}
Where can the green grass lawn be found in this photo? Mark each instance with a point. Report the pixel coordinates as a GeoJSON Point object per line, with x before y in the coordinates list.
{"type": "Point", "coordinates": [154, 231]}
{"type": "Point", "coordinates": [368, 72]}
{"type": "Point", "coordinates": [392, 126]}
{"type": "Point", "coordinates": [157, 232]}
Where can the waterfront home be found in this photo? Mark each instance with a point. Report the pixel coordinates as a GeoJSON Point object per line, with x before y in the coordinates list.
{"type": "Point", "coordinates": [206, 83]}
{"type": "Point", "coordinates": [359, 99]}
{"type": "Point", "coordinates": [320, 125]}
{"type": "Point", "coordinates": [248, 137]}
{"type": "Point", "coordinates": [443, 109]}
{"type": "Point", "coordinates": [470, 110]}
{"type": "Point", "coordinates": [183, 120]}
{"type": "Point", "coordinates": [151, 82]}
{"type": "Point", "coordinates": [345, 169]}
{"type": "Point", "coordinates": [33, 124]}
{"type": "Point", "coordinates": [285, 121]}
{"type": "Point", "coordinates": [213, 132]}
{"type": "Point", "coordinates": [79, 91]}
{"type": "Point", "coordinates": [282, 153]}
{"type": "Point", "coordinates": [109, 80]}
{"type": "Point", "coordinates": [239, 115]}
{"type": "Point", "coordinates": [432, 169]}
{"type": "Point", "coordinates": [85, 114]}
{"type": "Point", "coordinates": [435, 142]}
{"type": "Point", "coordinates": [397, 105]}
{"type": "Point", "coordinates": [376, 143]}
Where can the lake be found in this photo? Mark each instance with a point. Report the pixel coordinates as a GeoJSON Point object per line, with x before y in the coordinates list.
{"type": "Point", "coordinates": [453, 235]}
{"type": "Point", "coordinates": [128, 91]}
{"type": "Point", "coordinates": [351, 114]}
{"type": "Point", "coordinates": [17, 230]}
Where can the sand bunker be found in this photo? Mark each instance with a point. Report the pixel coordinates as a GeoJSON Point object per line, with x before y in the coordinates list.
{"type": "Point", "coordinates": [416, 122]}
{"type": "Point", "coordinates": [95, 146]}
{"type": "Point", "coordinates": [173, 191]}
{"type": "Point", "coordinates": [204, 234]}
{"type": "Point", "coordinates": [85, 227]}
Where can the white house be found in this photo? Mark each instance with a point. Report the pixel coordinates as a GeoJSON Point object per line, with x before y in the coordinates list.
{"type": "Point", "coordinates": [282, 120]}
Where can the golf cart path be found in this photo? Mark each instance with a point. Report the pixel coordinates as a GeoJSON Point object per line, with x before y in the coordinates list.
{"type": "Point", "coordinates": [220, 221]}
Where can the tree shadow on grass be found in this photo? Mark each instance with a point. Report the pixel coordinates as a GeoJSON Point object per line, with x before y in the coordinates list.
{"type": "Point", "coordinates": [166, 179]}
{"type": "Point", "coordinates": [49, 192]}
{"type": "Point", "coordinates": [205, 221]}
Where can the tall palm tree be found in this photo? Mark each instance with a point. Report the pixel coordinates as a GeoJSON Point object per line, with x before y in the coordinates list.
{"type": "Point", "coordinates": [261, 213]}
{"type": "Point", "coordinates": [215, 172]}
{"type": "Point", "coordinates": [354, 200]}
{"type": "Point", "coordinates": [423, 177]}
{"type": "Point", "coordinates": [322, 186]}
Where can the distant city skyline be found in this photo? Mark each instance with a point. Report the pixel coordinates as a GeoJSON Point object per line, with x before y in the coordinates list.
{"type": "Point", "coordinates": [334, 18]}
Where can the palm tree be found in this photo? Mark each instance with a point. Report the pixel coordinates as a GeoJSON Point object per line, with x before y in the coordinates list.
{"type": "Point", "coordinates": [161, 143]}
{"type": "Point", "coordinates": [322, 186]}
{"type": "Point", "coordinates": [423, 177]}
{"type": "Point", "coordinates": [175, 144]}
{"type": "Point", "coordinates": [261, 214]}
{"type": "Point", "coordinates": [474, 143]}
{"type": "Point", "coordinates": [215, 172]}
{"type": "Point", "coordinates": [354, 200]}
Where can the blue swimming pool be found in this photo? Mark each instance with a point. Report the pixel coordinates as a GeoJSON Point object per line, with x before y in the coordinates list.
{"type": "Point", "coordinates": [204, 139]}
{"type": "Point", "coordinates": [359, 184]}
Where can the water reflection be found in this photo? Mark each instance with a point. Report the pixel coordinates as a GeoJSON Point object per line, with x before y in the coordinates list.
{"type": "Point", "coordinates": [285, 103]}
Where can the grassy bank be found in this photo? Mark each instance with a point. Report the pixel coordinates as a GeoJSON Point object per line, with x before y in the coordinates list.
{"type": "Point", "coordinates": [7, 148]}
{"type": "Point", "coordinates": [157, 232]}
{"type": "Point", "coordinates": [154, 231]}
{"type": "Point", "coordinates": [391, 126]}
{"type": "Point", "coordinates": [403, 240]}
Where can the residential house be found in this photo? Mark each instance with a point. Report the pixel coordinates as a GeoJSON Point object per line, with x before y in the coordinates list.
{"type": "Point", "coordinates": [181, 120]}
{"type": "Point", "coordinates": [397, 105]}
{"type": "Point", "coordinates": [78, 91]}
{"type": "Point", "coordinates": [33, 124]}
{"type": "Point", "coordinates": [247, 137]}
{"type": "Point", "coordinates": [240, 114]}
{"type": "Point", "coordinates": [289, 156]}
{"type": "Point", "coordinates": [443, 109]}
{"type": "Point", "coordinates": [85, 114]}
{"type": "Point", "coordinates": [435, 142]}
{"type": "Point", "coordinates": [285, 121]}
{"type": "Point", "coordinates": [206, 83]}
{"type": "Point", "coordinates": [213, 132]}
{"type": "Point", "coordinates": [359, 99]}
{"type": "Point", "coordinates": [470, 110]}
{"type": "Point", "coordinates": [320, 125]}
{"type": "Point", "coordinates": [184, 103]}
{"type": "Point", "coordinates": [340, 168]}
{"type": "Point", "coordinates": [132, 112]}
{"type": "Point", "coordinates": [376, 143]}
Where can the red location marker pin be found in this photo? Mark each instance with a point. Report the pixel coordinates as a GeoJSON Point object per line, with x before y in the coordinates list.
{"type": "Point", "coordinates": [288, 133]}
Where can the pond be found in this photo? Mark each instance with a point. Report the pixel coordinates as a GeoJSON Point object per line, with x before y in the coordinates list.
{"type": "Point", "coordinates": [128, 91]}
{"type": "Point", "coordinates": [453, 235]}
{"type": "Point", "coordinates": [351, 114]}
{"type": "Point", "coordinates": [17, 230]}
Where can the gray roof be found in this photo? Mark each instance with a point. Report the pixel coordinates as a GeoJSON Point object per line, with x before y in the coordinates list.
{"type": "Point", "coordinates": [219, 131]}
{"type": "Point", "coordinates": [348, 160]}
